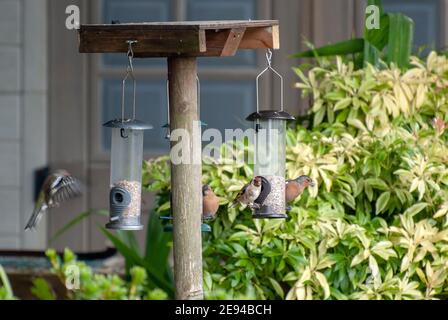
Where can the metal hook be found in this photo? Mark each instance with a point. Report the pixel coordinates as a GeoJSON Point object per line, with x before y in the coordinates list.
{"type": "Point", "coordinates": [129, 73]}
{"type": "Point", "coordinates": [269, 60]}
{"type": "Point", "coordinates": [269, 56]}
{"type": "Point", "coordinates": [130, 54]}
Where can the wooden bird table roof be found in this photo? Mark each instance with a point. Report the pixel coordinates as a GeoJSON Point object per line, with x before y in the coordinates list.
{"type": "Point", "coordinates": [184, 38]}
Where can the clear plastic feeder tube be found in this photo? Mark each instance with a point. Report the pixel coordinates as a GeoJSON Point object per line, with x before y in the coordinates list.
{"type": "Point", "coordinates": [270, 161]}
{"type": "Point", "coordinates": [125, 174]}
{"type": "Point", "coordinates": [270, 157]}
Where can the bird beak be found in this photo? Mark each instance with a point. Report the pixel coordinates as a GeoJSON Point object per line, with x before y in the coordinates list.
{"type": "Point", "coordinates": [312, 184]}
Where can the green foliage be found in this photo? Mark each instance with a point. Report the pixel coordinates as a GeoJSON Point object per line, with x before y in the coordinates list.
{"type": "Point", "coordinates": [401, 36]}
{"type": "Point", "coordinates": [155, 258]}
{"type": "Point", "coordinates": [375, 226]}
{"type": "Point", "coordinates": [42, 290]}
{"type": "Point", "coordinates": [391, 43]}
{"type": "Point", "coordinates": [5, 288]}
{"type": "Point", "coordinates": [94, 286]}
{"type": "Point", "coordinates": [157, 277]}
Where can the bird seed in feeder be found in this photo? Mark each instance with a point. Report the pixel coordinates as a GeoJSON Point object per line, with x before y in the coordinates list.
{"type": "Point", "coordinates": [135, 191]}
{"type": "Point", "coordinates": [276, 198]}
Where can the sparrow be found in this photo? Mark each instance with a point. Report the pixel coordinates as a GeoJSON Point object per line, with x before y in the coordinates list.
{"type": "Point", "coordinates": [249, 193]}
{"type": "Point", "coordinates": [57, 188]}
{"type": "Point", "coordinates": [294, 188]}
{"type": "Point", "coordinates": [210, 203]}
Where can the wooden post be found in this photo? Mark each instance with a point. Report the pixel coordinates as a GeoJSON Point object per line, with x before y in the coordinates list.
{"type": "Point", "coordinates": [186, 185]}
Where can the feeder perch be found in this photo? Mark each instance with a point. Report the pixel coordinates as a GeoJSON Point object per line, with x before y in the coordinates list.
{"type": "Point", "coordinates": [169, 227]}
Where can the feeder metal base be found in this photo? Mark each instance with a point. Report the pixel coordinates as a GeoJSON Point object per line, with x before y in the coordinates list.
{"type": "Point", "coordinates": [129, 223]}
{"type": "Point", "coordinates": [269, 216]}
{"type": "Point", "coordinates": [204, 228]}
{"type": "Point", "coordinates": [266, 212]}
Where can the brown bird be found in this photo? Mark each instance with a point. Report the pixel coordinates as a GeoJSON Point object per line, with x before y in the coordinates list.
{"type": "Point", "coordinates": [294, 188]}
{"type": "Point", "coordinates": [249, 193]}
{"type": "Point", "coordinates": [210, 203]}
{"type": "Point", "coordinates": [58, 187]}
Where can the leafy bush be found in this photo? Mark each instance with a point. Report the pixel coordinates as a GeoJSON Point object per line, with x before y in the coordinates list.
{"type": "Point", "coordinates": [154, 260]}
{"type": "Point", "coordinates": [375, 226]}
{"type": "Point", "coordinates": [94, 286]}
{"type": "Point", "coordinates": [5, 288]}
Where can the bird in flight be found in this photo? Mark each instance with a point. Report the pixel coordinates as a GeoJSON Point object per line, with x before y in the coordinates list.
{"type": "Point", "coordinates": [58, 187]}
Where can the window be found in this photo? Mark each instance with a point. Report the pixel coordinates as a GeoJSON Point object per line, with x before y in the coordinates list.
{"type": "Point", "coordinates": [227, 84]}
{"type": "Point", "coordinates": [427, 18]}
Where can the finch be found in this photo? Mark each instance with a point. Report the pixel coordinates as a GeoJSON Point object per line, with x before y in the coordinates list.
{"type": "Point", "coordinates": [249, 193]}
{"type": "Point", "coordinates": [210, 203]}
{"type": "Point", "coordinates": [294, 188]}
{"type": "Point", "coordinates": [57, 188]}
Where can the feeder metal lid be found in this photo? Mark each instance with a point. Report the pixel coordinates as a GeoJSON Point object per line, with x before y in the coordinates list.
{"type": "Point", "coordinates": [270, 114]}
{"type": "Point", "coordinates": [128, 124]}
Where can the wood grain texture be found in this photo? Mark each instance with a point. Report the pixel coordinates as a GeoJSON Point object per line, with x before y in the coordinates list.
{"type": "Point", "coordinates": [233, 41]}
{"type": "Point", "coordinates": [98, 40]}
{"type": "Point", "coordinates": [186, 180]}
{"type": "Point", "coordinates": [167, 39]}
{"type": "Point", "coordinates": [187, 25]}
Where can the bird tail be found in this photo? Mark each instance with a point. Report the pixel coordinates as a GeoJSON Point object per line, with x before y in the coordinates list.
{"type": "Point", "coordinates": [36, 216]}
{"type": "Point", "coordinates": [234, 204]}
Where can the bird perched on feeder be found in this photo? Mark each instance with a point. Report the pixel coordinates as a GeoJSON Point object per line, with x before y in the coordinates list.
{"type": "Point", "coordinates": [295, 187]}
{"type": "Point", "coordinates": [249, 193]}
{"type": "Point", "coordinates": [210, 203]}
{"type": "Point", "coordinates": [57, 188]}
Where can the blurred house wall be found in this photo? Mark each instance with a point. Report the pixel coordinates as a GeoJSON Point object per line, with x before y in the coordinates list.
{"type": "Point", "coordinates": [23, 117]}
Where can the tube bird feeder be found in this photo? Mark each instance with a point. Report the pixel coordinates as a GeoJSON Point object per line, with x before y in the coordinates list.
{"type": "Point", "coordinates": [126, 164]}
{"type": "Point", "coordinates": [270, 155]}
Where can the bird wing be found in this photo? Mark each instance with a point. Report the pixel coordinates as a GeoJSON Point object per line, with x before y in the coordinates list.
{"type": "Point", "coordinates": [66, 188]}
{"type": "Point", "coordinates": [38, 211]}
{"type": "Point", "coordinates": [242, 192]}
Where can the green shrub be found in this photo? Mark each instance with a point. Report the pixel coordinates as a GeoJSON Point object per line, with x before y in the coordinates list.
{"type": "Point", "coordinates": [5, 287]}
{"type": "Point", "coordinates": [376, 224]}
{"type": "Point", "coordinates": [94, 286]}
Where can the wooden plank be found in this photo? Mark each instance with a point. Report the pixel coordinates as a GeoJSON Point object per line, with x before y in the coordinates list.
{"type": "Point", "coordinates": [100, 40]}
{"type": "Point", "coordinates": [261, 38]}
{"type": "Point", "coordinates": [186, 180]}
{"type": "Point", "coordinates": [253, 38]}
{"type": "Point", "coordinates": [157, 39]}
{"type": "Point", "coordinates": [233, 41]}
{"type": "Point", "coordinates": [187, 25]}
